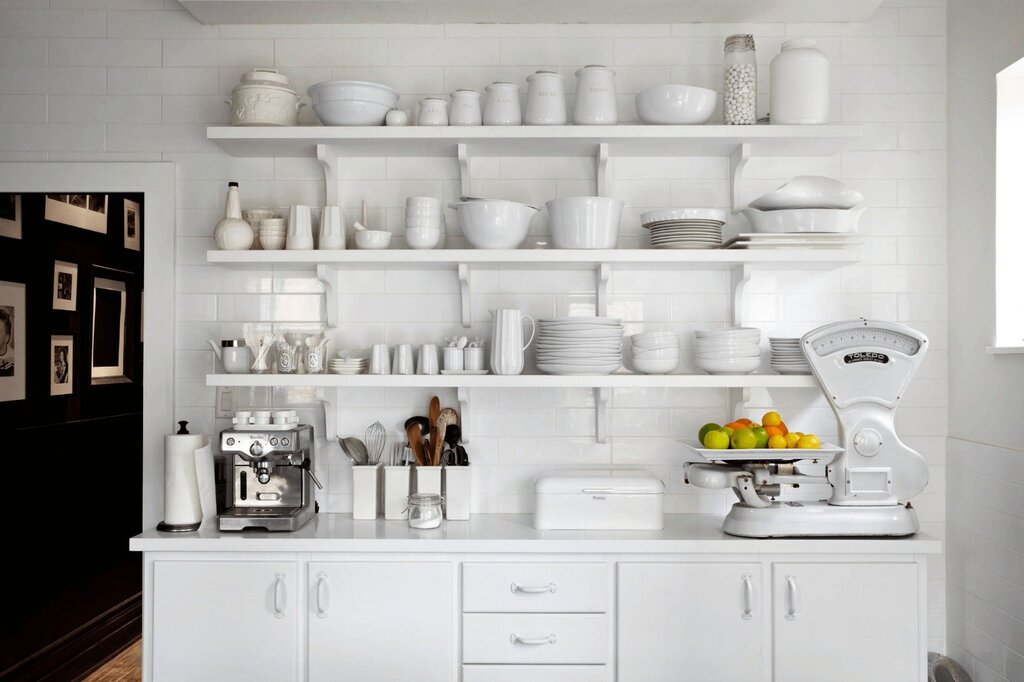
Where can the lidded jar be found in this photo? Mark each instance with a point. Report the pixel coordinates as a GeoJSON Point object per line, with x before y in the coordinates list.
{"type": "Point", "coordinates": [595, 96]}
{"type": "Point", "coordinates": [545, 99]}
{"type": "Point", "coordinates": [800, 84]}
{"type": "Point", "coordinates": [425, 510]}
{"type": "Point", "coordinates": [233, 233]}
{"type": "Point", "coordinates": [739, 89]}
{"type": "Point", "coordinates": [465, 109]}
{"type": "Point", "coordinates": [501, 108]}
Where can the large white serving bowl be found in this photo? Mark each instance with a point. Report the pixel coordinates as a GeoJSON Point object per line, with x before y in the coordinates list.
{"type": "Point", "coordinates": [809, 191]}
{"type": "Point", "coordinates": [655, 365]}
{"type": "Point", "coordinates": [494, 223]}
{"type": "Point", "coordinates": [585, 222]}
{"type": "Point", "coordinates": [804, 220]}
{"type": "Point", "coordinates": [675, 105]}
{"type": "Point", "coordinates": [352, 103]}
{"type": "Point", "coordinates": [729, 366]}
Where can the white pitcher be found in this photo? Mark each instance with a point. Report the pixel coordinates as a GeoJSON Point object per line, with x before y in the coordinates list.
{"type": "Point", "coordinates": [507, 347]}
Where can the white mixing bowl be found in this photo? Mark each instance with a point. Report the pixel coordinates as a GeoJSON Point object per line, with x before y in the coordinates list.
{"type": "Point", "coordinates": [494, 223]}
{"type": "Point", "coordinates": [585, 222]}
{"type": "Point", "coordinates": [675, 105]}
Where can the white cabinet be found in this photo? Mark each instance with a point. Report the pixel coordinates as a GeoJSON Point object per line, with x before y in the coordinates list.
{"type": "Point", "coordinates": [388, 621]}
{"type": "Point", "coordinates": [699, 622]}
{"type": "Point", "coordinates": [859, 622]}
{"type": "Point", "coordinates": [224, 621]}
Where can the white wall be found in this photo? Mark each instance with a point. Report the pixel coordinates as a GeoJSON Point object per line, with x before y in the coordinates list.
{"type": "Point", "coordinates": [986, 446]}
{"type": "Point", "coordinates": [138, 79]}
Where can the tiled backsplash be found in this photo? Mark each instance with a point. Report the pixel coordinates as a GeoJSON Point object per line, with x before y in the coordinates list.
{"type": "Point", "coordinates": [141, 79]}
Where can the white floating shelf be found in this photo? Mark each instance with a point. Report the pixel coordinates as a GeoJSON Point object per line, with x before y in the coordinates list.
{"type": "Point", "coordinates": [621, 140]}
{"type": "Point", "coordinates": [527, 11]}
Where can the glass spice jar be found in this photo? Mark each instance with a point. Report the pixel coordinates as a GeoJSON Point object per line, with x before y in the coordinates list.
{"type": "Point", "coordinates": [739, 90]}
{"type": "Point", "coordinates": [425, 511]}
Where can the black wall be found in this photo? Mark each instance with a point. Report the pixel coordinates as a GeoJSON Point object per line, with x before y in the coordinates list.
{"type": "Point", "coordinates": [73, 463]}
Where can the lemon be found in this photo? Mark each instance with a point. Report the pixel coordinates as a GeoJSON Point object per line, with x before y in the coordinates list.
{"type": "Point", "coordinates": [810, 442]}
{"type": "Point", "coordinates": [710, 426]}
{"type": "Point", "coordinates": [744, 439]}
{"type": "Point", "coordinates": [791, 439]}
{"type": "Point", "coordinates": [762, 436]}
{"type": "Point", "coordinates": [716, 440]}
{"type": "Point", "coordinates": [771, 419]}
{"type": "Point", "coordinates": [777, 442]}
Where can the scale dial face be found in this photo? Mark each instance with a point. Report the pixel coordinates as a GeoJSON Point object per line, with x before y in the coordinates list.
{"type": "Point", "coordinates": [866, 337]}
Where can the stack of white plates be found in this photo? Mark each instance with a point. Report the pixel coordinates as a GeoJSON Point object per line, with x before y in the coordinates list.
{"type": "Point", "coordinates": [795, 240]}
{"type": "Point", "coordinates": [788, 357]}
{"type": "Point", "coordinates": [348, 365]}
{"type": "Point", "coordinates": [734, 350]}
{"type": "Point", "coordinates": [685, 228]}
{"type": "Point", "coordinates": [579, 345]}
{"type": "Point", "coordinates": [655, 352]}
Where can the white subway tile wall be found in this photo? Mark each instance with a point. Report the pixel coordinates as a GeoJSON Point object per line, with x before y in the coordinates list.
{"type": "Point", "coordinates": [140, 80]}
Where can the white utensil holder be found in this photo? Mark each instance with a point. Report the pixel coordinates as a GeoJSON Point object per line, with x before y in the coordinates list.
{"type": "Point", "coordinates": [367, 491]}
{"type": "Point", "coordinates": [428, 480]}
{"type": "Point", "coordinates": [396, 492]}
{"type": "Point", "coordinates": [456, 493]}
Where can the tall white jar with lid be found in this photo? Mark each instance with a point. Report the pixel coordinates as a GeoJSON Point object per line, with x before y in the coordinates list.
{"type": "Point", "coordinates": [799, 84]}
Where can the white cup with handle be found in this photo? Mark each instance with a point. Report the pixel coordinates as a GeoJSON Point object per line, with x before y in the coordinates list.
{"type": "Point", "coordinates": [507, 347]}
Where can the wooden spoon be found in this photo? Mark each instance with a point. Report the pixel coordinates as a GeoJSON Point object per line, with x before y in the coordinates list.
{"type": "Point", "coordinates": [435, 411]}
{"type": "Point", "coordinates": [415, 437]}
{"type": "Point", "coordinates": [436, 447]}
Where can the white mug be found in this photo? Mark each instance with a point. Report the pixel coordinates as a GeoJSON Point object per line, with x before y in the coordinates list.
{"type": "Point", "coordinates": [261, 417]}
{"type": "Point", "coordinates": [595, 96]}
{"type": "Point", "coordinates": [465, 108]}
{"type": "Point", "coordinates": [432, 111]}
{"type": "Point", "coordinates": [332, 228]}
{"type": "Point", "coordinates": [501, 107]}
{"type": "Point", "coordinates": [507, 347]}
{"type": "Point", "coordinates": [403, 360]}
{"type": "Point", "coordinates": [379, 360]}
{"type": "Point", "coordinates": [428, 359]}
{"type": "Point", "coordinates": [300, 229]}
{"type": "Point", "coordinates": [473, 358]}
{"type": "Point", "coordinates": [453, 359]}
{"type": "Point", "coordinates": [545, 99]}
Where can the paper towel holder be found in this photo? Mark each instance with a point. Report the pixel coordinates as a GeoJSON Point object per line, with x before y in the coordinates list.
{"type": "Point", "coordinates": [179, 479]}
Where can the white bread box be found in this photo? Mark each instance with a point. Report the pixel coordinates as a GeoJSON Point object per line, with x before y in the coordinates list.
{"type": "Point", "coordinates": [603, 499]}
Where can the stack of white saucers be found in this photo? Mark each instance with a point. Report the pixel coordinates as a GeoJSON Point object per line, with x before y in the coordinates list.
{"type": "Point", "coordinates": [579, 345]}
{"type": "Point", "coordinates": [734, 350]}
{"type": "Point", "coordinates": [655, 352]}
{"type": "Point", "coordinates": [788, 357]}
{"type": "Point", "coordinates": [348, 365]}
{"type": "Point", "coordinates": [685, 228]}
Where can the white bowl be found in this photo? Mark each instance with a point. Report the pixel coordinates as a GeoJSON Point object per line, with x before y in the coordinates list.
{"type": "Point", "coordinates": [422, 213]}
{"type": "Point", "coordinates": [272, 243]}
{"type": "Point", "coordinates": [342, 90]}
{"type": "Point", "coordinates": [423, 221]}
{"type": "Point", "coordinates": [804, 220]}
{"type": "Point", "coordinates": [351, 112]}
{"type": "Point", "coordinates": [729, 366]}
{"type": "Point", "coordinates": [422, 237]}
{"type": "Point", "coordinates": [432, 204]}
{"type": "Point", "coordinates": [727, 332]}
{"type": "Point", "coordinates": [675, 105]}
{"type": "Point", "coordinates": [585, 222]}
{"type": "Point", "coordinates": [494, 223]}
{"type": "Point", "coordinates": [655, 365]}
{"type": "Point", "coordinates": [653, 353]}
{"type": "Point", "coordinates": [809, 191]}
{"type": "Point", "coordinates": [752, 352]}
{"type": "Point", "coordinates": [373, 239]}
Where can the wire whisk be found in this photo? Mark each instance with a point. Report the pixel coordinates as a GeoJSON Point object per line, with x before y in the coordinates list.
{"type": "Point", "coordinates": [376, 439]}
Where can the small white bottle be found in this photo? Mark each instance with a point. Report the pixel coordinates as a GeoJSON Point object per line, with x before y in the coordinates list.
{"type": "Point", "coordinates": [799, 84]}
{"type": "Point", "coordinates": [233, 233]}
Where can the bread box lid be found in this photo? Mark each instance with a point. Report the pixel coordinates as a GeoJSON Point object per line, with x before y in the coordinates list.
{"type": "Point", "coordinates": [605, 481]}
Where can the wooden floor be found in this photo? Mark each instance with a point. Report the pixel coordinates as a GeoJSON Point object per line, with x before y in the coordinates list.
{"type": "Point", "coordinates": [125, 667]}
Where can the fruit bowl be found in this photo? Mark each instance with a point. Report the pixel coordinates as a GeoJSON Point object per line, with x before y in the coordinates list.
{"type": "Point", "coordinates": [824, 454]}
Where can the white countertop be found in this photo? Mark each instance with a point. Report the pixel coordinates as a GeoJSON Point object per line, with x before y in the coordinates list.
{"type": "Point", "coordinates": [683, 533]}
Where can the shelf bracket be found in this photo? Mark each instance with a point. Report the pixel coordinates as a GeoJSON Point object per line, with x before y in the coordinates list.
{"type": "Point", "coordinates": [329, 276]}
{"type": "Point", "coordinates": [328, 398]}
{"type": "Point", "coordinates": [465, 176]}
{"type": "Point", "coordinates": [462, 395]}
{"type": "Point", "coordinates": [603, 273]}
{"type": "Point", "coordinates": [740, 279]}
{"type": "Point", "coordinates": [739, 399]}
{"type": "Point", "coordinates": [328, 158]}
{"type": "Point", "coordinates": [601, 397]}
{"type": "Point", "coordinates": [737, 162]}
{"type": "Point", "coordinates": [465, 292]}
{"type": "Point", "coordinates": [602, 169]}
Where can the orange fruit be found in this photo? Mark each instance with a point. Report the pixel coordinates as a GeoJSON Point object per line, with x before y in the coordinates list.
{"type": "Point", "coordinates": [771, 419]}
{"type": "Point", "coordinates": [777, 442]}
{"type": "Point", "coordinates": [744, 421]}
{"type": "Point", "coordinates": [735, 426]}
{"type": "Point", "coordinates": [774, 431]}
{"type": "Point", "coordinates": [782, 425]}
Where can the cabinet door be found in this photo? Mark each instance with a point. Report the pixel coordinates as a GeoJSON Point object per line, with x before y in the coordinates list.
{"type": "Point", "coordinates": [694, 622]}
{"type": "Point", "coordinates": [225, 621]}
{"type": "Point", "coordinates": [388, 622]}
{"type": "Point", "coordinates": [855, 622]}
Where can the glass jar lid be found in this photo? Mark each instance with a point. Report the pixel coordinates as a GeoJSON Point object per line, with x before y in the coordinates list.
{"type": "Point", "coordinates": [424, 500]}
{"type": "Point", "coordinates": [740, 41]}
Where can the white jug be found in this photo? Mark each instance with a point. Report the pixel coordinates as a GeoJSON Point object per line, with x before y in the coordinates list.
{"type": "Point", "coordinates": [507, 347]}
{"type": "Point", "coordinates": [595, 96]}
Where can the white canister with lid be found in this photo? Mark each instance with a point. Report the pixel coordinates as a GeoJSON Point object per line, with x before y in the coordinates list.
{"type": "Point", "coordinates": [465, 108]}
{"type": "Point", "coordinates": [595, 96]}
{"type": "Point", "coordinates": [545, 99]}
{"type": "Point", "coordinates": [501, 108]}
{"type": "Point", "coordinates": [264, 98]}
{"type": "Point", "coordinates": [799, 84]}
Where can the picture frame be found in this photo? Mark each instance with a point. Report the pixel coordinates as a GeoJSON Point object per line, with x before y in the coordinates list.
{"type": "Point", "coordinates": [10, 215]}
{"type": "Point", "coordinates": [12, 341]}
{"type": "Point", "coordinates": [62, 364]}
{"type": "Point", "coordinates": [85, 211]}
{"type": "Point", "coordinates": [65, 286]}
{"type": "Point", "coordinates": [132, 225]}
{"type": "Point", "coordinates": [109, 309]}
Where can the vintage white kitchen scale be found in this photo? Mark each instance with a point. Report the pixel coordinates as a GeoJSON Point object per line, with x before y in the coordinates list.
{"type": "Point", "coordinates": [864, 368]}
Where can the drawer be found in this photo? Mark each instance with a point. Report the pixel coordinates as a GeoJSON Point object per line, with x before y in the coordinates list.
{"type": "Point", "coordinates": [534, 638]}
{"type": "Point", "coordinates": [534, 673]}
{"type": "Point", "coordinates": [534, 588]}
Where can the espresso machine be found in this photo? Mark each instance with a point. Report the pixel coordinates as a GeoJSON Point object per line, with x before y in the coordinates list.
{"type": "Point", "coordinates": [272, 467]}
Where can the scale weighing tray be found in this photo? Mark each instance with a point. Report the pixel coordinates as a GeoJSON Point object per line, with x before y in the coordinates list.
{"type": "Point", "coordinates": [825, 453]}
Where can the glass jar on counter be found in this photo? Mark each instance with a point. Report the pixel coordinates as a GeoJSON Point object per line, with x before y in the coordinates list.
{"type": "Point", "coordinates": [739, 90]}
{"type": "Point", "coordinates": [425, 511]}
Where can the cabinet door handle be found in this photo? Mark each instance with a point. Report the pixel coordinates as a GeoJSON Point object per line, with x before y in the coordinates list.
{"type": "Point", "coordinates": [280, 595]}
{"type": "Point", "coordinates": [791, 597]}
{"type": "Point", "coordinates": [525, 589]}
{"type": "Point", "coordinates": [322, 595]}
{"type": "Point", "coordinates": [532, 641]}
{"type": "Point", "coordinates": [748, 596]}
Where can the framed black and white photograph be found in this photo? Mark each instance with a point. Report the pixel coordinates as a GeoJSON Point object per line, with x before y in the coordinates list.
{"type": "Point", "coordinates": [62, 354]}
{"type": "Point", "coordinates": [12, 341]}
{"type": "Point", "coordinates": [87, 211]}
{"type": "Point", "coordinates": [109, 304]}
{"type": "Point", "coordinates": [132, 225]}
{"type": "Point", "coordinates": [10, 215]}
{"type": "Point", "coordinates": [65, 286]}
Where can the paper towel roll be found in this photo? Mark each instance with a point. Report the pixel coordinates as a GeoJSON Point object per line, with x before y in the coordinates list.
{"type": "Point", "coordinates": [207, 484]}
{"type": "Point", "coordinates": [182, 506]}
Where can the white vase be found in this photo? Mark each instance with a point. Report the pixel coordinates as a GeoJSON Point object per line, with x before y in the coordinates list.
{"type": "Point", "coordinates": [233, 233]}
{"type": "Point", "coordinates": [799, 84]}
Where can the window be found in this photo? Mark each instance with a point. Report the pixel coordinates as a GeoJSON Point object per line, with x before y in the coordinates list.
{"type": "Point", "coordinates": [1009, 217]}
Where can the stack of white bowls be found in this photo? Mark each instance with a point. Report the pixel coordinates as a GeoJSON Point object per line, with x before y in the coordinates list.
{"type": "Point", "coordinates": [347, 364]}
{"type": "Point", "coordinates": [655, 352]}
{"type": "Point", "coordinates": [788, 357]}
{"type": "Point", "coordinates": [733, 350]}
{"type": "Point", "coordinates": [423, 222]}
{"type": "Point", "coordinates": [273, 233]}
{"type": "Point", "coordinates": [579, 345]}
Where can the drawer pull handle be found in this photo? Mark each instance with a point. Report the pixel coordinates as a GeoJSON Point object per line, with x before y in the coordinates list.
{"type": "Point", "coordinates": [531, 641]}
{"type": "Point", "coordinates": [280, 595]}
{"type": "Point", "coordinates": [321, 595]}
{"type": "Point", "coordinates": [791, 597]}
{"type": "Point", "coordinates": [748, 596]}
{"type": "Point", "coordinates": [525, 589]}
